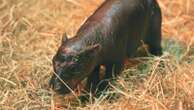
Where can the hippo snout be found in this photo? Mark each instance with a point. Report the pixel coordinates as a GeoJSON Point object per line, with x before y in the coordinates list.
{"type": "Point", "coordinates": [58, 86]}
{"type": "Point", "coordinates": [55, 85]}
{"type": "Point", "coordinates": [62, 86]}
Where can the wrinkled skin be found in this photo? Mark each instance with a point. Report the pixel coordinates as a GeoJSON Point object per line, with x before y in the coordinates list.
{"type": "Point", "coordinates": [113, 33]}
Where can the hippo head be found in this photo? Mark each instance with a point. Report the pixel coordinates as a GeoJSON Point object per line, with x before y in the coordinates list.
{"type": "Point", "coordinates": [71, 66]}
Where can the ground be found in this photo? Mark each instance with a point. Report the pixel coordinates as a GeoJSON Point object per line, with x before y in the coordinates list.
{"type": "Point", "coordinates": [30, 32]}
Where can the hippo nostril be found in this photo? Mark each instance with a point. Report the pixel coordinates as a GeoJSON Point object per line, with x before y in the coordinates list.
{"type": "Point", "coordinates": [57, 86]}
{"type": "Point", "coordinates": [51, 82]}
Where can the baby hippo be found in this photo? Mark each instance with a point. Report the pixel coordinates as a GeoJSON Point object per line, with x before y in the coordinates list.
{"type": "Point", "coordinates": [113, 33]}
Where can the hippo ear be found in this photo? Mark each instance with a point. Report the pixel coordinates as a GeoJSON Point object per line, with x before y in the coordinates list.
{"type": "Point", "coordinates": [64, 38]}
{"type": "Point", "coordinates": [91, 50]}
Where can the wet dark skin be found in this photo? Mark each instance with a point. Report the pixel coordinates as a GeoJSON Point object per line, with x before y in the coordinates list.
{"type": "Point", "coordinates": [113, 33]}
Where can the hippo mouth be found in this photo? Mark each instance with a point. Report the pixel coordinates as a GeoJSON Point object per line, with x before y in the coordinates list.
{"type": "Point", "coordinates": [66, 86]}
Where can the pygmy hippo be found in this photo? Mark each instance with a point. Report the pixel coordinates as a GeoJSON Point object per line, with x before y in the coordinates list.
{"type": "Point", "coordinates": [112, 33]}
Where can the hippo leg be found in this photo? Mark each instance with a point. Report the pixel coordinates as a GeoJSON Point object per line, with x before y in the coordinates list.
{"type": "Point", "coordinates": [91, 85]}
{"type": "Point", "coordinates": [153, 38]}
{"type": "Point", "coordinates": [112, 70]}
{"type": "Point", "coordinates": [93, 80]}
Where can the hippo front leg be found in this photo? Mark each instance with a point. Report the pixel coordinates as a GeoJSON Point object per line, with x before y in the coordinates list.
{"type": "Point", "coordinates": [93, 80]}
{"type": "Point", "coordinates": [112, 70]}
{"type": "Point", "coordinates": [91, 85]}
{"type": "Point", "coordinates": [153, 38]}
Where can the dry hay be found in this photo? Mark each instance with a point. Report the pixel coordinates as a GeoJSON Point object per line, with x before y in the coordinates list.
{"type": "Point", "coordinates": [30, 32]}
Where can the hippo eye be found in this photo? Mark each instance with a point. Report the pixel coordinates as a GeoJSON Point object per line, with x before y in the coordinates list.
{"type": "Point", "coordinates": [75, 59]}
{"type": "Point", "coordinates": [62, 57]}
